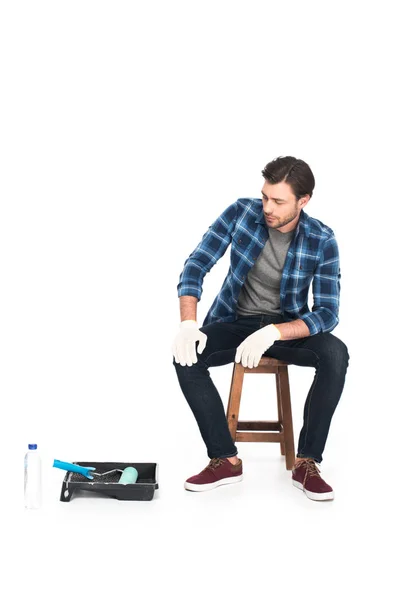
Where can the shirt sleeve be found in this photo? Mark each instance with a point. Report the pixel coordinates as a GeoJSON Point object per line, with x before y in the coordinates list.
{"type": "Point", "coordinates": [326, 291]}
{"type": "Point", "coordinates": [211, 248]}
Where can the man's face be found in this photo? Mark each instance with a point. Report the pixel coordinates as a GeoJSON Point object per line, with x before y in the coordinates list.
{"type": "Point", "coordinates": [281, 208]}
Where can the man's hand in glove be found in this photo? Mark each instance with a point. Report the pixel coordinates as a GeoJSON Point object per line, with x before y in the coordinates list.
{"type": "Point", "coordinates": [253, 347]}
{"type": "Point", "coordinates": [184, 345]}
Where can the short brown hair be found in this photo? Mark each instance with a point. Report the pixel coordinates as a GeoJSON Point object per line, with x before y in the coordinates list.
{"type": "Point", "coordinates": [293, 171]}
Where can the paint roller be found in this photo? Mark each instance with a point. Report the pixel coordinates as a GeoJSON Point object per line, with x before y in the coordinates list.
{"type": "Point", "coordinates": [128, 475]}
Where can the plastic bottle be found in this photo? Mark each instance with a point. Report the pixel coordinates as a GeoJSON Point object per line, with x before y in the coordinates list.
{"type": "Point", "coordinates": [33, 478]}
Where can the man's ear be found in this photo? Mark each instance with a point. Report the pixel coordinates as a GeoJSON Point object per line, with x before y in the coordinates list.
{"type": "Point", "coordinates": [304, 200]}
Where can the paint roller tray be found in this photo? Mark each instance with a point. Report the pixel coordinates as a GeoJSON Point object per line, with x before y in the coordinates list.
{"type": "Point", "coordinates": [108, 485]}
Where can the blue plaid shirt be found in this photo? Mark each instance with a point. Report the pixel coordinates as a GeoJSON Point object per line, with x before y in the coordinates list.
{"type": "Point", "coordinates": [313, 256]}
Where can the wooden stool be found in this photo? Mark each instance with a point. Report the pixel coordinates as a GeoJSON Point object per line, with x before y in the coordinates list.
{"type": "Point", "coordinates": [263, 431]}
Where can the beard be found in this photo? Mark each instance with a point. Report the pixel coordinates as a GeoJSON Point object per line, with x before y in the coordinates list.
{"type": "Point", "coordinates": [282, 221]}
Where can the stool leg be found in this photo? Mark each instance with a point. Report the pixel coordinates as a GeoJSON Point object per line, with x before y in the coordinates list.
{"type": "Point", "coordinates": [284, 392]}
{"type": "Point", "coordinates": [279, 403]}
{"type": "Point", "coordinates": [232, 412]}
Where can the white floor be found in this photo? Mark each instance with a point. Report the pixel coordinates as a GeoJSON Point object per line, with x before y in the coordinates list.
{"type": "Point", "coordinates": [259, 537]}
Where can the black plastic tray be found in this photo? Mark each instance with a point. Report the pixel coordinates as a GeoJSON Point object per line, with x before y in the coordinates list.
{"type": "Point", "coordinates": [143, 489]}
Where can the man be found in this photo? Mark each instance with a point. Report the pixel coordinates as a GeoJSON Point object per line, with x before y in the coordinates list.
{"type": "Point", "coordinates": [277, 251]}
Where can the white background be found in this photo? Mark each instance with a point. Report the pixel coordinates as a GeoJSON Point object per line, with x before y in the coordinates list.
{"type": "Point", "coordinates": [126, 129]}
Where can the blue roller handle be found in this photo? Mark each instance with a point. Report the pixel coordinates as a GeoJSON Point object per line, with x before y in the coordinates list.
{"type": "Point", "coordinates": [75, 468]}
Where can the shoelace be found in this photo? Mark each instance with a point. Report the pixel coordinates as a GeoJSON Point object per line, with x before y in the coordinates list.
{"type": "Point", "coordinates": [214, 463]}
{"type": "Point", "coordinates": [311, 468]}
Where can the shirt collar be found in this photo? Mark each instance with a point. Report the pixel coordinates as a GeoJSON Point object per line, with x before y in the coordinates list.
{"type": "Point", "coordinates": [303, 223]}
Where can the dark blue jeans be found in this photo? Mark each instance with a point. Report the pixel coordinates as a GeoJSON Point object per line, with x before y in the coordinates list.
{"type": "Point", "coordinates": [323, 351]}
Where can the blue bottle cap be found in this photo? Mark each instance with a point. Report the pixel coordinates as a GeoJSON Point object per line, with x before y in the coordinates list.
{"type": "Point", "coordinates": [32, 446]}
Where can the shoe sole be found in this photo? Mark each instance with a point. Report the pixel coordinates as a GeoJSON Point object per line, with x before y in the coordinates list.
{"type": "Point", "coordinates": [313, 495]}
{"type": "Point", "coordinates": [196, 487]}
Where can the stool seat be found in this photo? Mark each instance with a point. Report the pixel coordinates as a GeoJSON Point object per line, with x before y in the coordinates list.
{"type": "Point", "coordinates": [280, 431]}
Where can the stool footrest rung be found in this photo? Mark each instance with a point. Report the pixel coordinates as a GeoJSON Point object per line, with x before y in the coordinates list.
{"type": "Point", "coordinates": [259, 426]}
{"type": "Point", "coordinates": [258, 436]}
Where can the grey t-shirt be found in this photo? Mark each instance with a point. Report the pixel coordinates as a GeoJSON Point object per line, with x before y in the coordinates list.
{"type": "Point", "coordinates": [260, 291]}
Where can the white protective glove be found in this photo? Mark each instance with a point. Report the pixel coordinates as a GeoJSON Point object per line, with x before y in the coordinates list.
{"type": "Point", "coordinates": [184, 346]}
{"type": "Point", "coordinates": [253, 347]}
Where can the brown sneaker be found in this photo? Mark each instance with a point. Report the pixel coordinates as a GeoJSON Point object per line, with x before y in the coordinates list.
{"type": "Point", "coordinates": [219, 471]}
{"type": "Point", "coordinates": [306, 477]}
